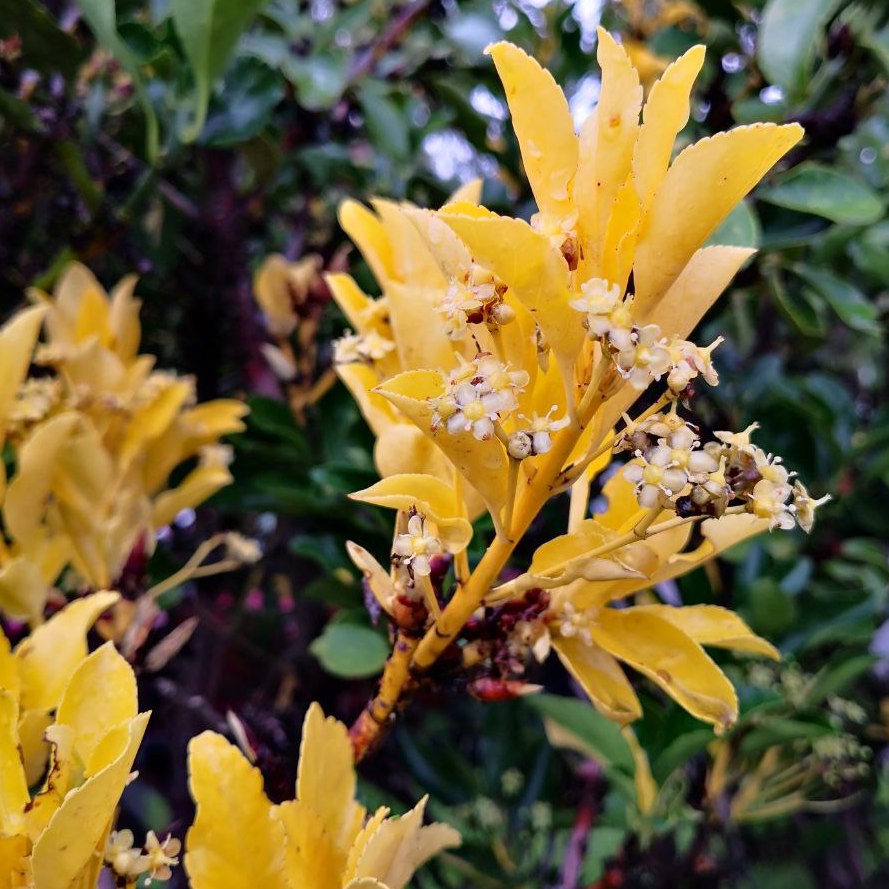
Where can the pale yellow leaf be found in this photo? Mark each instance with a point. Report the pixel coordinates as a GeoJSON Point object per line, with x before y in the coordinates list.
{"type": "Point", "coordinates": [430, 496]}
{"type": "Point", "coordinates": [49, 656]}
{"type": "Point", "coordinates": [17, 338]}
{"type": "Point", "coordinates": [643, 780]}
{"type": "Point", "coordinates": [14, 794]}
{"type": "Point", "coordinates": [23, 590]}
{"type": "Point", "coordinates": [79, 825]}
{"type": "Point", "coordinates": [665, 114]}
{"type": "Point", "coordinates": [365, 230]}
{"type": "Point", "coordinates": [704, 184]}
{"type": "Point", "coordinates": [667, 656]}
{"type": "Point", "coordinates": [470, 192]}
{"type": "Point", "coordinates": [714, 626]}
{"type": "Point", "coordinates": [35, 748]}
{"type": "Point", "coordinates": [311, 856]}
{"type": "Point", "coordinates": [601, 677]}
{"type": "Point", "coordinates": [543, 126]}
{"type": "Point", "coordinates": [100, 696]}
{"type": "Point", "coordinates": [199, 485]}
{"type": "Point", "coordinates": [236, 840]}
{"type": "Point", "coordinates": [400, 846]}
{"type": "Point", "coordinates": [326, 780]}
{"type": "Point", "coordinates": [606, 149]}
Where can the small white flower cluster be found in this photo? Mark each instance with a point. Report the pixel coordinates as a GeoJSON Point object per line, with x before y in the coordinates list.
{"type": "Point", "coordinates": [641, 354]}
{"type": "Point", "coordinates": [155, 859]}
{"type": "Point", "coordinates": [477, 299]}
{"type": "Point", "coordinates": [674, 471]}
{"type": "Point", "coordinates": [352, 348]}
{"type": "Point", "coordinates": [416, 548]}
{"type": "Point", "coordinates": [479, 394]}
{"type": "Point", "coordinates": [572, 623]}
{"type": "Point", "coordinates": [536, 438]}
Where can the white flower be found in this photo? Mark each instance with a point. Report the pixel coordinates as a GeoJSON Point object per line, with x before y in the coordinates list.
{"type": "Point", "coordinates": [416, 547]}
{"type": "Point", "coordinates": [768, 501]}
{"type": "Point", "coordinates": [804, 506]}
{"type": "Point", "coordinates": [121, 857]}
{"type": "Point", "coordinates": [690, 361]}
{"type": "Point", "coordinates": [642, 355]}
{"type": "Point", "coordinates": [371, 346]}
{"type": "Point", "coordinates": [160, 856]}
{"type": "Point", "coordinates": [606, 311]}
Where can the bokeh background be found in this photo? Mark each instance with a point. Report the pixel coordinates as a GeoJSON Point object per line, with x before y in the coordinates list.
{"type": "Point", "coordinates": [127, 143]}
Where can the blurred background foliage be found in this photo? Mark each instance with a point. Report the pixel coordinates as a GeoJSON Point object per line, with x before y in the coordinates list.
{"type": "Point", "coordinates": [189, 139]}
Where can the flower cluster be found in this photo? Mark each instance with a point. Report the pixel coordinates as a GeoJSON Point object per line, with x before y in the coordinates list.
{"type": "Point", "coordinates": [95, 438]}
{"type": "Point", "coordinates": [155, 858]}
{"type": "Point", "coordinates": [496, 365]}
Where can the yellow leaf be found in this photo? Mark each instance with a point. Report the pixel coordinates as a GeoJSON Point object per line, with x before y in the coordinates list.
{"type": "Point", "coordinates": [15, 865]}
{"type": "Point", "coordinates": [431, 496]}
{"type": "Point", "coordinates": [272, 291]}
{"type": "Point", "coordinates": [100, 696]}
{"type": "Point", "coordinates": [662, 652]}
{"type": "Point", "coordinates": [236, 840]}
{"type": "Point", "coordinates": [123, 319]}
{"type": "Point", "coordinates": [35, 748]}
{"type": "Point", "coordinates": [50, 655]}
{"type": "Point", "coordinates": [368, 233]}
{"type": "Point", "coordinates": [353, 302]}
{"type": "Point", "coordinates": [17, 338]}
{"type": "Point", "coordinates": [80, 824]}
{"type": "Point", "coordinates": [14, 794]}
{"type": "Point", "coordinates": [416, 265]}
{"type": "Point", "coordinates": [375, 577]}
{"type": "Point", "coordinates": [371, 826]}
{"type": "Point", "coordinates": [606, 149]}
{"type": "Point", "coordinates": [704, 184]}
{"type": "Point", "coordinates": [543, 126]}
{"type": "Point", "coordinates": [665, 114]}
{"type": "Point", "coordinates": [28, 492]}
{"type": "Point", "coordinates": [23, 590]}
{"type": "Point", "coordinates": [481, 463]}
{"type": "Point", "coordinates": [402, 448]}
{"type": "Point", "coordinates": [199, 485]}
{"type": "Point", "coordinates": [470, 192]}
{"type": "Point", "coordinates": [61, 776]}
{"type": "Point", "coordinates": [567, 556]}
{"type": "Point", "coordinates": [714, 626]}
{"type": "Point", "coordinates": [646, 788]}
{"type": "Point", "coordinates": [326, 779]}
{"type": "Point", "coordinates": [311, 856]}
{"type": "Point", "coordinates": [400, 846]}
{"type": "Point", "coordinates": [601, 677]}
{"type": "Point", "coordinates": [9, 669]}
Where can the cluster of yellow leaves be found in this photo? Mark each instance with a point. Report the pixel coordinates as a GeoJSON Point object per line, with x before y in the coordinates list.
{"type": "Point", "coordinates": [323, 839]}
{"type": "Point", "coordinates": [69, 726]}
{"type": "Point", "coordinates": [94, 442]}
{"type": "Point", "coordinates": [612, 202]}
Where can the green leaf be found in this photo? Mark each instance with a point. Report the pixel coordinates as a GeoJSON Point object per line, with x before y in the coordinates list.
{"type": "Point", "coordinates": [319, 80]}
{"type": "Point", "coordinates": [252, 90]}
{"type": "Point", "coordinates": [602, 736]}
{"type": "Point", "coordinates": [19, 113]}
{"type": "Point", "coordinates": [740, 228]}
{"type": "Point", "coordinates": [101, 16]}
{"type": "Point", "coordinates": [847, 301]}
{"type": "Point", "coordinates": [273, 418]}
{"type": "Point", "coordinates": [45, 46]}
{"type": "Point", "coordinates": [780, 731]}
{"type": "Point", "coordinates": [350, 651]}
{"type": "Point", "coordinates": [799, 308]}
{"type": "Point", "coordinates": [385, 122]}
{"type": "Point", "coordinates": [823, 191]}
{"type": "Point", "coordinates": [209, 31]}
{"type": "Point", "coordinates": [833, 680]}
{"type": "Point", "coordinates": [789, 38]}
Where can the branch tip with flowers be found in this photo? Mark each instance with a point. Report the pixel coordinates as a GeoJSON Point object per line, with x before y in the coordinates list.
{"type": "Point", "coordinates": [499, 369]}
